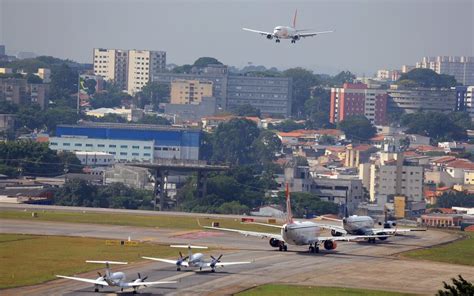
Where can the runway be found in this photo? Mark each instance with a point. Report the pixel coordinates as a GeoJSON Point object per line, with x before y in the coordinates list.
{"type": "Point", "coordinates": [357, 265]}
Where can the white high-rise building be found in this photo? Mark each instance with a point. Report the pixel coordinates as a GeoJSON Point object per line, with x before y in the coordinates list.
{"type": "Point", "coordinates": [462, 68]}
{"type": "Point", "coordinates": [469, 101]}
{"type": "Point", "coordinates": [142, 65]}
{"type": "Point", "coordinates": [130, 70]}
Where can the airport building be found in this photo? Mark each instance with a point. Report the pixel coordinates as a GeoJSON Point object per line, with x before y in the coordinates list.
{"type": "Point", "coordinates": [128, 69]}
{"type": "Point", "coordinates": [129, 142]}
{"type": "Point", "coordinates": [358, 99]}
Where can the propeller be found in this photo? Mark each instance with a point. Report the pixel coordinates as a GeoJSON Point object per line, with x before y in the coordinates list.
{"type": "Point", "coordinates": [100, 275]}
{"type": "Point", "coordinates": [215, 261]}
{"type": "Point", "coordinates": [140, 277]}
{"type": "Point", "coordinates": [181, 258]}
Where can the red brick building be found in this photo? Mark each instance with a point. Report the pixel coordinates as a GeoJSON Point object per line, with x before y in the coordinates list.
{"type": "Point", "coordinates": [358, 99]}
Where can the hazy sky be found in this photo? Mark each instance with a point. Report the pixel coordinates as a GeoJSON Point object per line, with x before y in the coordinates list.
{"type": "Point", "coordinates": [369, 35]}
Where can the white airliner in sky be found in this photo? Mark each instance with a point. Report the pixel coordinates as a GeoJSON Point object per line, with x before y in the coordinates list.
{"type": "Point", "coordinates": [195, 260]}
{"type": "Point", "coordinates": [298, 233]}
{"type": "Point", "coordinates": [287, 32]}
{"type": "Point", "coordinates": [364, 225]}
{"type": "Point", "coordinates": [115, 279]}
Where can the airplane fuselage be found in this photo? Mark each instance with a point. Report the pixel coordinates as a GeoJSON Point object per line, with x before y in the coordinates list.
{"type": "Point", "coordinates": [284, 32]}
{"type": "Point", "coordinates": [358, 225]}
{"type": "Point", "coordinates": [300, 232]}
{"type": "Point", "coordinates": [196, 260]}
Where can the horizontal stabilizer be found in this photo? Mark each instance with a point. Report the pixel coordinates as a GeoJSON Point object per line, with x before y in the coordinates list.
{"type": "Point", "coordinates": [188, 247]}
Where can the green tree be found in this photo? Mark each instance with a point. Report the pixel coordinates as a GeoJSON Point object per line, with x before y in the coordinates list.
{"type": "Point", "coordinates": [153, 119]}
{"type": "Point", "coordinates": [455, 199]}
{"type": "Point", "coordinates": [460, 287]}
{"type": "Point", "coordinates": [436, 125]}
{"type": "Point", "coordinates": [70, 162]}
{"type": "Point", "coordinates": [303, 80]}
{"type": "Point", "coordinates": [341, 78]}
{"type": "Point", "coordinates": [182, 69]}
{"type": "Point", "coordinates": [317, 109]}
{"type": "Point", "coordinates": [90, 85]}
{"type": "Point", "coordinates": [233, 141]}
{"type": "Point", "coordinates": [64, 78]}
{"type": "Point", "coordinates": [52, 117]}
{"type": "Point", "coordinates": [32, 78]}
{"type": "Point", "coordinates": [266, 146]}
{"type": "Point", "coordinates": [426, 78]}
{"type": "Point", "coordinates": [154, 93]}
{"type": "Point", "coordinates": [305, 204]}
{"type": "Point", "coordinates": [301, 161]}
{"type": "Point", "coordinates": [206, 61]}
{"type": "Point", "coordinates": [246, 110]}
{"type": "Point", "coordinates": [357, 128]}
{"type": "Point", "coordinates": [7, 107]}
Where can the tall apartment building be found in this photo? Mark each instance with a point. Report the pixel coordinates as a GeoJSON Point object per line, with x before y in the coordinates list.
{"type": "Point", "coordinates": [388, 75]}
{"type": "Point", "coordinates": [358, 99]}
{"type": "Point", "coordinates": [130, 70]}
{"type": "Point", "coordinates": [190, 91]}
{"type": "Point", "coordinates": [469, 101]}
{"type": "Point", "coordinates": [19, 91]}
{"type": "Point", "coordinates": [272, 95]}
{"type": "Point", "coordinates": [410, 99]}
{"type": "Point", "coordinates": [390, 177]}
{"type": "Point", "coordinates": [462, 68]}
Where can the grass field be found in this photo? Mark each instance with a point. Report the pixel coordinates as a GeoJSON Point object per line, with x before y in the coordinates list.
{"type": "Point", "coordinates": [33, 259]}
{"type": "Point", "coordinates": [281, 290]}
{"type": "Point", "coordinates": [458, 252]}
{"type": "Point", "coordinates": [173, 222]}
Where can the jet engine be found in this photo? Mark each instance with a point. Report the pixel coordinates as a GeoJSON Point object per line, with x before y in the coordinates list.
{"type": "Point", "coordinates": [330, 245]}
{"type": "Point", "coordinates": [335, 233]}
{"type": "Point", "coordinates": [296, 37]}
{"type": "Point", "coordinates": [388, 224]}
{"type": "Point", "coordinates": [275, 243]}
{"type": "Point", "coordinates": [270, 36]}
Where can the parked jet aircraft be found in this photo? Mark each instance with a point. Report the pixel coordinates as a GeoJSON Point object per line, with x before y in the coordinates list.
{"type": "Point", "coordinates": [115, 279]}
{"type": "Point", "coordinates": [287, 32]}
{"type": "Point", "coordinates": [195, 260]}
{"type": "Point", "coordinates": [364, 225]}
{"type": "Point", "coordinates": [297, 233]}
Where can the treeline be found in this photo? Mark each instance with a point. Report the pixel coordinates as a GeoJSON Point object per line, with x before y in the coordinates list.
{"type": "Point", "coordinates": [455, 199]}
{"type": "Point", "coordinates": [35, 159]}
{"type": "Point", "coordinates": [80, 193]}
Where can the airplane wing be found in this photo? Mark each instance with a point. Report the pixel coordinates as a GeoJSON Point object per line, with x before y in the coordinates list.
{"type": "Point", "coordinates": [347, 237]}
{"type": "Point", "coordinates": [174, 262]}
{"type": "Point", "coordinates": [311, 34]}
{"type": "Point", "coordinates": [90, 281]}
{"type": "Point", "coordinates": [222, 264]}
{"type": "Point", "coordinates": [332, 227]}
{"type": "Point", "coordinates": [264, 224]}
{"type": "Point", "coordinates": [395, 230]}
{"type": "Point", "coordinates": [248, 233]}
{"type": "Point", "coordinates": [137, 284]}
{"type": "Point", "coordinates": [257, 31]}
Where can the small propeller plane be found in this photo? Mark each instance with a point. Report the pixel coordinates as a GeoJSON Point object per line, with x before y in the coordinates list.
{"type": "Point", "coordinates": [115, 279]}
{"type": "Point", "coordinates": [195, 260]}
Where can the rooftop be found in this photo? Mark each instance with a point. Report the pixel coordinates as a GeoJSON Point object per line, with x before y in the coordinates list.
{"type": "Point", "coordinates": [132, 126]}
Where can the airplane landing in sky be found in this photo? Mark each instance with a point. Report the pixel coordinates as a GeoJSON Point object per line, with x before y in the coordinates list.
{"type": "Point", "coordinates": [287, 32]}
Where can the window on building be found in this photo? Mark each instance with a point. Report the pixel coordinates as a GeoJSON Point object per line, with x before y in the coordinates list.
{"type": "Point", "coordinates": [66, 144]}
{"type": "Point", "coordinates": [146, 154]}
{"type": "Point", "coordinates": [78, 145]}
{"type": "Point", "coordinates": [54, 144]}
{"type": "Point", "coordinates": [124, 146]}
{"type": "Point", "coordinates": [112, 146]}
{"type": "Point", "coordinates": [123, 153]}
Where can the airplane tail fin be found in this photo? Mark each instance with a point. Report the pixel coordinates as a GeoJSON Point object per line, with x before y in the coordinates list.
{"type": "Point", "coordinates": [294, 18]}
{"type": "Point", "coordinates": [289, 218]}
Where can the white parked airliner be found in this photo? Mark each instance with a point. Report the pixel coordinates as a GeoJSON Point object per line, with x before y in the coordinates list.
{"type": "Point", "coordinates": [195, 260]}
{"type": "Point", "coordinates": [115, 279]}
{"type": "Point", "coordinates": [297, 233]}
{"type": "Point", "coordinates": [364, 225]}
{"type": "Point", "coordinates": [287, 32]}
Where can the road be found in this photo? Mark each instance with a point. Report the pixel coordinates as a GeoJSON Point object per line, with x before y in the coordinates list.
{"type": "Point", "coordinates": [357, 265]}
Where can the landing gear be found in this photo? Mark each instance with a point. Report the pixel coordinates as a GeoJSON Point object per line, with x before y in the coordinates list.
{"type": "Point", "coordinates": [313, 249]}
{"type": "Point", "coordinates": [96, 290]}
{"type": "Point", "coordinates": [293, 41]}
{"type": "Point", "coordinates": [283, 248]}
{"type": "Point", "coordinates": [277, 40]}
{"type": "Point", "coordinates": [213, 270]}
{"type": "Point", "coordinates": [372, 240]}
{"type": "Point", "coordinates": [178, 269]}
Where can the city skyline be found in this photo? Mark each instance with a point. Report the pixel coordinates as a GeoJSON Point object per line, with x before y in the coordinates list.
{"type": "Point", "coordinates": [368, 35]}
